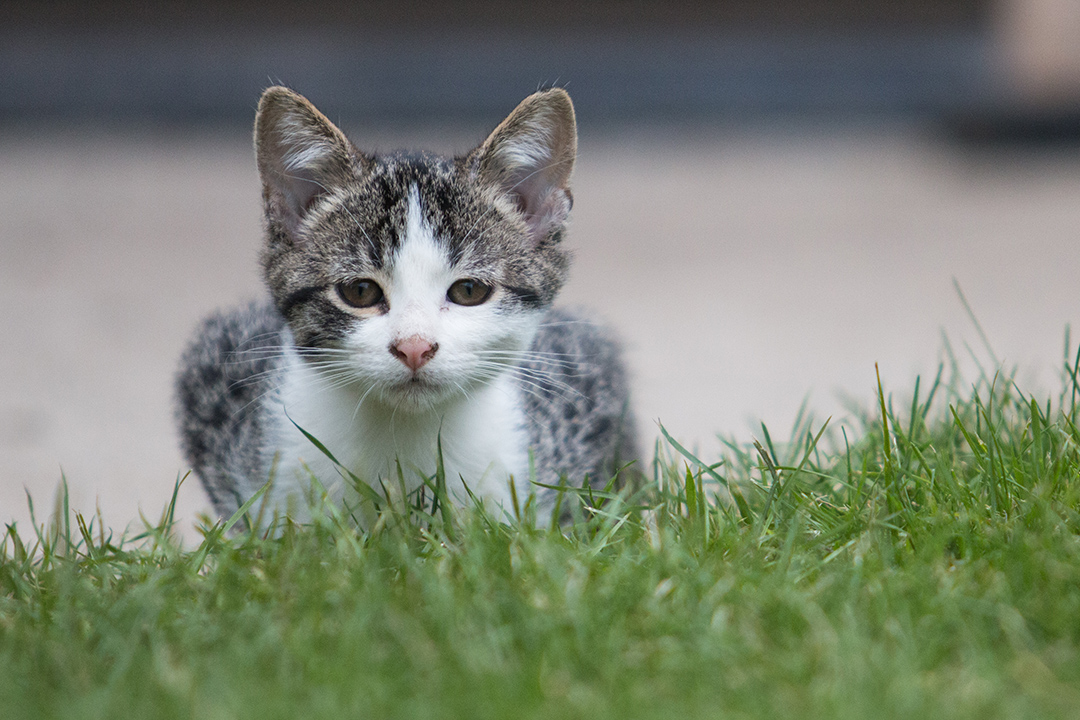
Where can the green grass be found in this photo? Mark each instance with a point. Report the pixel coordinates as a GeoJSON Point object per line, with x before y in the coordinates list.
{"type": "Point", "coordinates": [925, 564]}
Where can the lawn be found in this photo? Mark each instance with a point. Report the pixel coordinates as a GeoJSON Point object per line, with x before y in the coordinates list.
{"type": "Point", "coordinates": [923, 561]}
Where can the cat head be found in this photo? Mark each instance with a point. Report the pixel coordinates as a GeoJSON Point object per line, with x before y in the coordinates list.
{"type": "Point", "coordinates": [414, 275]}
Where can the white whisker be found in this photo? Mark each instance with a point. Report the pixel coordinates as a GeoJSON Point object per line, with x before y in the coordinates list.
{"type": "Point", "coordinates": [361, 402]}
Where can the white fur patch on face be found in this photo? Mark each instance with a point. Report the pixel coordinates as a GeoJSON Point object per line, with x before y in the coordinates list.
{"type": "Point", "coordinates": [421, 276]}
{"type": "Point", "coordinates": [471, 345]}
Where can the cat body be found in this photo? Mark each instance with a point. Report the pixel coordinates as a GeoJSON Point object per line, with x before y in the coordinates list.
{"type": "Point", "coordinates": [411, 308]}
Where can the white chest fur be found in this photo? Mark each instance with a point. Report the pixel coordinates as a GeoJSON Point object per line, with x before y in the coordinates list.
{"type": "Point", "coordinates": [484, 441]}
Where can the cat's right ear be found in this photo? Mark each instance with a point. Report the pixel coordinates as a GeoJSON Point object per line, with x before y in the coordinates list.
{"type": "Point", "coordinates": [301, 155]}
{"type": "Point", "coordinates": [529, 159]}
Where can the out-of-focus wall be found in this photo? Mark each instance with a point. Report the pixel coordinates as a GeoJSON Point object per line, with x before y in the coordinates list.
{"type": "Point", "coordinates": [1039, 54]}
{"type": "Point", "coordinates": [538, 15]}
{"type": "Point", "coordinates": [126, 61]}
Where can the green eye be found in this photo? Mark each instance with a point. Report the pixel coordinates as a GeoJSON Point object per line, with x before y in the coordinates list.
{"type": "Point", "coordinates": [468, 292]}
{"type": "Point", "coordinates": [360, 293]}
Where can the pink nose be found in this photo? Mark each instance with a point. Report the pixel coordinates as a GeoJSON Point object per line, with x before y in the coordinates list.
{"type": "Point", "coordinates": [414, 351]}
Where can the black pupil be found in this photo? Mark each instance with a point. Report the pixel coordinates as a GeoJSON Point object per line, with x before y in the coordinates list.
{"type": "Point", "coordinates": [469, 288]}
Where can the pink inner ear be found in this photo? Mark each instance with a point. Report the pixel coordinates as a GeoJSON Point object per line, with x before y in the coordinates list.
{"type": "Point", "coordinates": [544, 213]}
{"type": "Point", "coordinates": [300, 193]}
{"type": "Point", "coordinates": [315, 193]}
{"type": "Point", "coordinates": [521, 203]}
{"type": "Point", "coordinates": [544, 205]}
{"type": "Point", "coordinates": [301, 189]}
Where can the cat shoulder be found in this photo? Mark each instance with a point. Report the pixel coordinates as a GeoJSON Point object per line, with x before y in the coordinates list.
{"type": "Point", "coordinates": [588, 349]}
{"type": "Point", "coordinates": [224, 372]}
{"type": "Point", "coordinates": [576, 390]}
{"type": "Point", "coordinates": [228, 345]}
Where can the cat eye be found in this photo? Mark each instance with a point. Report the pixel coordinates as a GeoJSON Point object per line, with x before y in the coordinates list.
{"type": "Point", "coordinates": [468, 292]}
{"type": "Point", "coordinates": [360, 293]}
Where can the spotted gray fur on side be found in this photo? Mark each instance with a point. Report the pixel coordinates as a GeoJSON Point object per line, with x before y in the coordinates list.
{"type": "Point", "coordinates": [580, 422]}
{"type": "Point", "coordinates": [225, 374]}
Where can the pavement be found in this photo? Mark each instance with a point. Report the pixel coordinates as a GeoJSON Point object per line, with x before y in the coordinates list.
{"type": "Point", "coordinates": [747, 269]}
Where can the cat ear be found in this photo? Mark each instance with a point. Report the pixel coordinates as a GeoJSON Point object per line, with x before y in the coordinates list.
{"type": "Point", "coordinates": [301, 155]}
{"type": "Point", "coordinates": [529, 158]}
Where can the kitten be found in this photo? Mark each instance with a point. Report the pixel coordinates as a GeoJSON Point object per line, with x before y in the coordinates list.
{"type": "Point", "coordinates": [411, 304]}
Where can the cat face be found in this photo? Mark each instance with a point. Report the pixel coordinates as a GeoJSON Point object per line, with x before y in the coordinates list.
{"type": "Point", "coordinates": [416, 278]}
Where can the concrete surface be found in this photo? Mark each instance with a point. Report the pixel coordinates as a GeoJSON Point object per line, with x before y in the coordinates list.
{"type": "Point", "coordinates": [746, 270]}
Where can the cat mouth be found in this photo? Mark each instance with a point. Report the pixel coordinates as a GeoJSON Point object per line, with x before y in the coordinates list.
{"type": "Point", "coordinates": [416, 392]}
{"type": "Point", "coordinates": [417, 384]}
{"type": "Point", "coordinates": [416, 380]}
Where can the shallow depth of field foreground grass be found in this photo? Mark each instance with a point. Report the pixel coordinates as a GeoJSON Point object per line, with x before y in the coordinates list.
{"type": "Point", "coordinates": [925, 566]}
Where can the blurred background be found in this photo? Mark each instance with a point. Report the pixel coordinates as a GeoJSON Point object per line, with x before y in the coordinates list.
{"type": "Point", "coordinates": [770, 197]}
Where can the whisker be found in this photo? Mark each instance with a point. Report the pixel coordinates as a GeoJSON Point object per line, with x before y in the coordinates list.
{"type": "Point", "coordinates": [564, 323]}
{"type": "Point", "coordinates": [555, 363]}
{"type": "Point", "coordinates": [527, 354]}
{"type": "Point", "coordinates": [538, 381]}
{"type": "Point", "coordinates": [533, 372]}
{"type": "Point", "coordinates": [361, 402]}
{"type": "Point", "coordinates": [561, 389]}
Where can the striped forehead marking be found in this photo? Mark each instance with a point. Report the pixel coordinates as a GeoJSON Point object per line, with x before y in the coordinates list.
{"type": "Point", "coordinates": [421, 266]}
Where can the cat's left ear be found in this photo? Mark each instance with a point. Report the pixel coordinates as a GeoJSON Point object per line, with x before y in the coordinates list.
{"type": "Point", "coordinates": [529, 159]}
{"type": "Point", "coordinates": [301, 155]}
